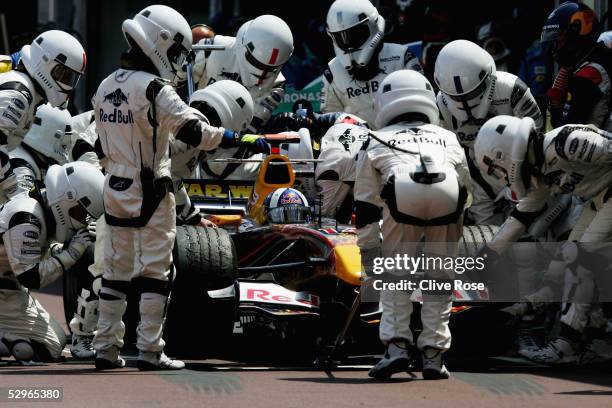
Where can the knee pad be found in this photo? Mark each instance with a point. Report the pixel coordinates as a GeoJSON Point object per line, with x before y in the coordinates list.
{"type": "Point", "coordinates": [150, 285]}
{"type": "Point", "coordinates": [113, 289]}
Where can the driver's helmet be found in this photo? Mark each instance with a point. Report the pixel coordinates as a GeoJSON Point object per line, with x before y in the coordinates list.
{"type": "Point", "coordinates": [287, 206]}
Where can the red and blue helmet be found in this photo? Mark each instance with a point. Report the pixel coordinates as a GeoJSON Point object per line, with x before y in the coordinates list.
{"type": "Point", "coordinates": [571, 31]}
{"type": "Point", "coordinates": [287, 206]}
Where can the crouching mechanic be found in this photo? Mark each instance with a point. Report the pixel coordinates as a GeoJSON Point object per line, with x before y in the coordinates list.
{"type": "Point", "coordinates": [416, 172]}
{"type": "Point", "coordinates": [136, 112]}
{"type": "Point", "coordinates": [572, 158]}
{"type": "Point", "coordinates": [254, 58]}
{"type": "Point", "coordinates": [472, 90]}
{"type": "Point", "coordinates": [46, 143]}
{"type": "Point", "coordinates": [28, 224]}
{"type": "Point", "coordinates": [362, 59]}
{"type": "Point", "coordinates": [335, 173]}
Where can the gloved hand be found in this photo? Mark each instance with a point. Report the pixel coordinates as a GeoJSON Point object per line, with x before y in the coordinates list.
{"type": "Point", "coordinates": [287, 121]}
{"type": "Point", "coordinates": [255, 143]}
{"type": "Point", "coordinates": [91, 228]}
{"type": "Point", "coordinates": [79, 244]}
{"type": "Point", "coordinates": [274, 99]}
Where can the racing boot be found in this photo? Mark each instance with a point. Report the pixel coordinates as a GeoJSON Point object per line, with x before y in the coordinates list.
{"type": "Point", "coordinates": [525, 339]}
{"type": "Point", "coordinates": [557, 351]}
{"type": "Point", "coordinates": [148, 361]}
{"type": "Point", "coordinates": [109, 359]}
{"type": "Point", "coordinates": [397, 358]}
{"type": "Point", "coordinates": [81, 348]}
{"type": "Point", "coordinates": [433, 365]}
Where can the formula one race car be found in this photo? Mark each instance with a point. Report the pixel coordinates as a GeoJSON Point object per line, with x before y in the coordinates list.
{"type": "Point", "coordinates": [252, 291]}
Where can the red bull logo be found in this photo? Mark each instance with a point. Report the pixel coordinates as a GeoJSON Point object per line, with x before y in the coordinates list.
{"type": "Point", "coordinates": [290, 197]}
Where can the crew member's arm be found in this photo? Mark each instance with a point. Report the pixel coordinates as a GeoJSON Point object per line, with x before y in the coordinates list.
{"type": "Point", "coordinates": [20, 178]}
{"type": "Point", "coordinates": [524, 104]}
{"type": "Point", "coordinates": [412, 62]}
{"type": "Point", "coordinates": [584, 144]}
{"type": "Point", "coordinates": [186, 123]}
{"type": "Point", "coordinates": [521, 218]}
{"type": "Point", "coordinates": [455, 155]}
{"type": "Point", "coordinates": [14, 106]}
{"type": "Point", "coordinates": [330, 102]}
{"type": "Point", "coordinates": [329, 177]}
{"type": "Point", "coordinates": [25, 245]}
{"type": "Point", "coordinates": [186, 212]}
{"type": "Point", "coordinates": [368, 210]}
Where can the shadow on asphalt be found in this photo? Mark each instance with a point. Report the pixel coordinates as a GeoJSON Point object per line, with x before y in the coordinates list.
{"type": "Point", "coordinates": [587, 392]}
{"type": "Point", "coordinates": [360, 381]}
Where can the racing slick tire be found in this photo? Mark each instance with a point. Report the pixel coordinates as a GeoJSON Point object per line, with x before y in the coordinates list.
{"type": "Point", "coordinates": [196, 323]}
{"type": "Point", "coordinates": [73, 280]}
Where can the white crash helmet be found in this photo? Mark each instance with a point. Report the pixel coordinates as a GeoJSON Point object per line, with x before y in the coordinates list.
{"type": "Point", "coordinates": [56, 60]}
{"type": "Point", "coordinates": [405, 91]}
{"type": "Point", "coordinates": [50, 133]}
{"type": "Point", "coordinates": [466, 76]}
{"type": "Point", "coordinates": [228, 100]}
{"type": "Point", "coordinates": [287, 206]}
{"type": "Point", "coordinates": [164, 36]}
{"type": "Point", "coordinates": [74, 193]}
{"type": "Point", "coordinates": [356, 30]}
{"type": "Point", "coordinates": [501, 150]}
{"type": "Point", "coordinates": [264, 45]}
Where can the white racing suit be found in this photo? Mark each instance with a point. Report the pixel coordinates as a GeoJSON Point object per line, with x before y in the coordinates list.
{"type": "Point", "coordinates": [335, 174]}
{"type": "Point", "coordinates": [213, 66]}
{"type": "Point", "coordinates": [576, 159]}
{"type": "Point", "coordinates": [510, 97]}
{"type": "Point", "coordinates": [422, 190]}
{"type": "Point", "coordinates": [136, 113]}
{"type": "Point", "coordinates": [18, 103]}
{"type": "Point", "coordinates": [27, 171]}
{"type": "Point", "coordinates": [344, 93]}
{"type": "Point", "coordinates": [26, 265]}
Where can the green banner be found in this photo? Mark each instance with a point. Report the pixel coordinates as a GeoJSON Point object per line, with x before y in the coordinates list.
{"type": "Point", "coordinates": [311, 92]}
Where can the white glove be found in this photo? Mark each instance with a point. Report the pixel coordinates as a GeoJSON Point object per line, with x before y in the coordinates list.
{"type": "Point", "coordinates": [79, 242]}
{"type": "Point", "coordinates": [91, 228]}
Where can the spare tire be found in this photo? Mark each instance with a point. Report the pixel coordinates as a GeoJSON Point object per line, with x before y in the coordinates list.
{"type": "Point", "coordinates": [196, 324]}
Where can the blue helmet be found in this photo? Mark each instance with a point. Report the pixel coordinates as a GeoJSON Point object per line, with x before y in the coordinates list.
{"type": "Point", "coordinates": [287, 206]}
{"type": "Point", "coordinates": [571, 30]}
